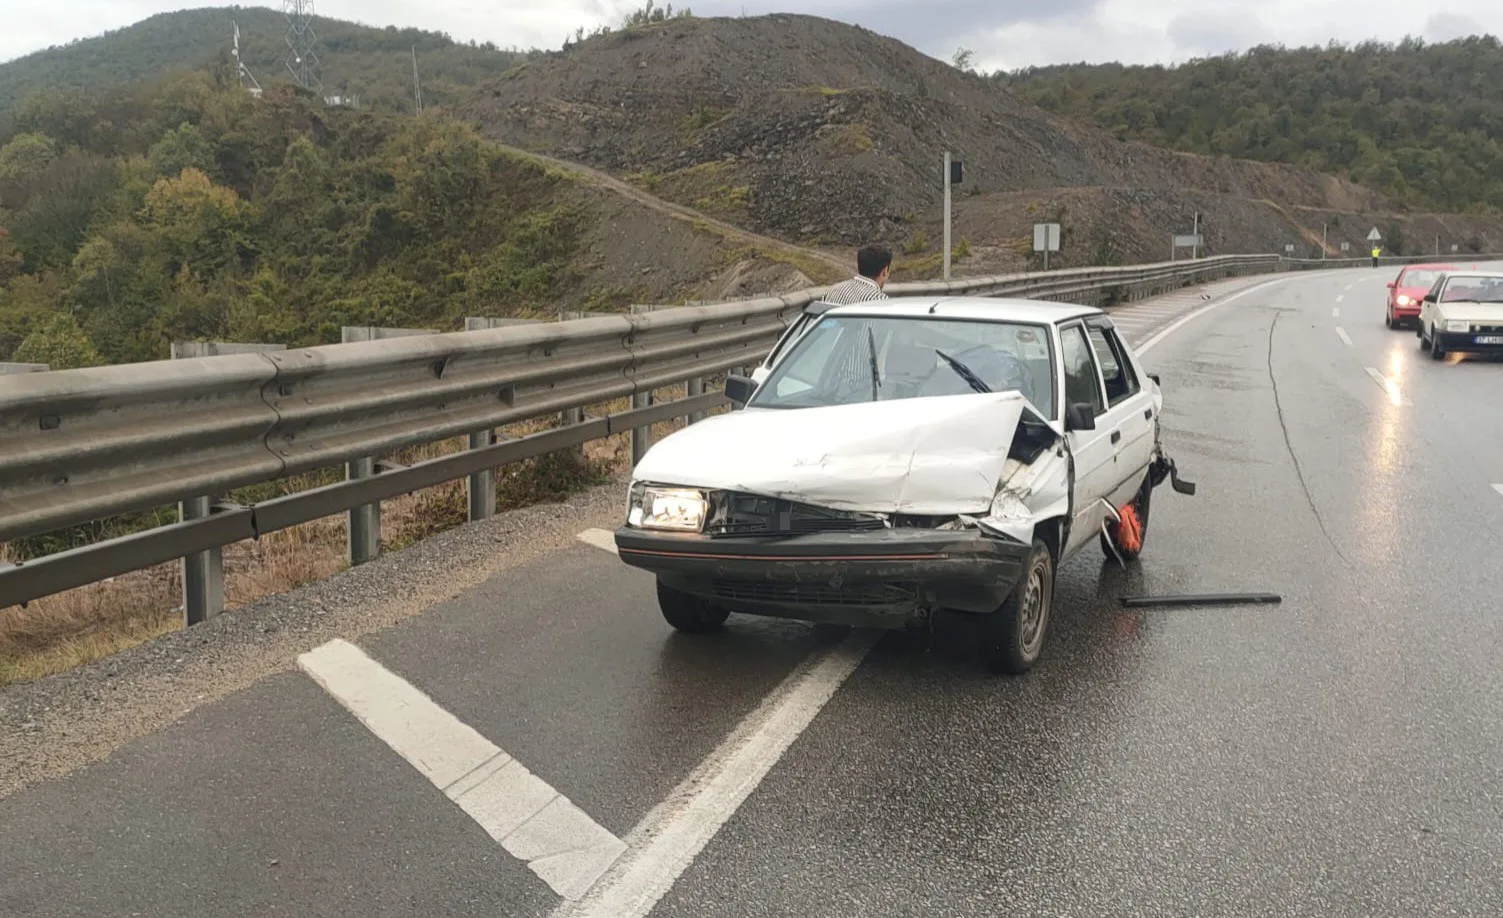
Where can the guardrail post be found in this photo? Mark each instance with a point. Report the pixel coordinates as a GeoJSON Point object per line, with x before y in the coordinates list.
{"type": "Point", "coordinates": [482, 484]}
{"type": "Point", "coordinates": [365, 520]}
{"type": "Point", "coordinates": [696, 387]}
{"type": "Point", "coordinates": [641, 437]}
{"type": "Point", "coordinates": [203, 571]}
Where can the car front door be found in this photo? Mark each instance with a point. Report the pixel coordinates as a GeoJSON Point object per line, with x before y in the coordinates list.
{"type": "Point", "coordinates": [1129, 410]}
{"type": "Point", "coordinates": [1093, 452]}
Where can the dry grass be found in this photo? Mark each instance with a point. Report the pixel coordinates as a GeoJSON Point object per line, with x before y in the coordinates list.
{"type": "Point", "coordinates": [70, 629]}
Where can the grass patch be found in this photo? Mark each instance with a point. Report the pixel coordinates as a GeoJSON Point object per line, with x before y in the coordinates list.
{"type": "Point", "coordinates": [825, 91]}
{"type": "Point", "coordinates": [917, 244]}
{"type": "Point", "coordinates": [847, 139]}
{"type": "Point", "coordinates": [703, 118]}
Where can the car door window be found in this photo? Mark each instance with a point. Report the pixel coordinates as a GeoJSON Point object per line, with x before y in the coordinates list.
{"type": "Point", "coordinates": [1081, 382]}
{"type": "Point", "coordinates": [1116, 369]}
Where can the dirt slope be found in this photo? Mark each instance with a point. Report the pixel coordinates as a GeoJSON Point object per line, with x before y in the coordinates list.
{"type": "Point", "coordinates": [822, 133]}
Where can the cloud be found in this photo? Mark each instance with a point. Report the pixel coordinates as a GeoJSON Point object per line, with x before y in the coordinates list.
{"type": "Point", "coordinates": [1205, 32]}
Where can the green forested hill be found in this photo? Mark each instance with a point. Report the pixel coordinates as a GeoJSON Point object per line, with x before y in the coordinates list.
{"type": "Point", "coordinates": [374, 63]}
{"type": "Point", "coordinates": [1420, 122]}
{"type": "Point", "coordinates": [186, 208]}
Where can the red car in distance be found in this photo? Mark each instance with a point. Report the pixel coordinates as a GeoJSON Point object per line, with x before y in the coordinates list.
{"type": "Point", "coordinates": [1406, 293]}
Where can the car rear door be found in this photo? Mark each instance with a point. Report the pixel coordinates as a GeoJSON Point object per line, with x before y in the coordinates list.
{"type": "Point", "coordinates": [1093, 451]}
{"type": "Point", "coordinates": [1129, 409]}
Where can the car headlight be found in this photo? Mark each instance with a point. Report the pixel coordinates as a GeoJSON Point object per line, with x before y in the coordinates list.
{"type": "Point", "coordinates": [1405, 301]}
{"type": "Point", "coordinates": [670, 509]}
{"type": "Point", "coordinates": [1454, 325]}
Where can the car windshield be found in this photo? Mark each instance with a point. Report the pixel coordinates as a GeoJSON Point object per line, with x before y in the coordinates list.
{"type": "Point", "coordinates": [1473, 290]}
{"type": "Point", "coordinates": [1425, 279]}
{"type": "Point", "coordinates": [844, 360]}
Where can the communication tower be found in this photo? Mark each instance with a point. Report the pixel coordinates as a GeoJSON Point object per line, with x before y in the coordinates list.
{"type": "Point", "coordinates": [302, 60]}
{"type": "Point", "coordinates": [247, 80]}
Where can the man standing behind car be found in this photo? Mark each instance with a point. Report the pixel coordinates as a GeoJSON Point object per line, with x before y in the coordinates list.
{"type": "Point", "coordinates": [873, 268]}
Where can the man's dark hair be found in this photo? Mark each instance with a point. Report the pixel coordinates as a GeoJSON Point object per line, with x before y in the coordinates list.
{"type": "Point", "coordinates": [872, 259]}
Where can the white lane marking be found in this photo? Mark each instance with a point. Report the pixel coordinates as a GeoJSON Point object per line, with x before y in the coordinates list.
{"type": "Point", "coordinates": [1340, 297]}
{"type": "Point", "coordinates": [1498, 488]}
{"type": "Point", "coordinates": [1345, 338]}
{"type": "Point", "coordinates": [1336, 313]}
{"type": "Point", "coordinates": [535, 823]}
{"type": "Point", "coordinates": [1154, 342]}
{"type": "Point", "coordinates": [1387, 385]}
{"type": "Point", "coordinates": [668, 839]}
{"type": "Point", "coordinates": [603, 539]}
{"type": "Point", "coordinates": [1349, 288]}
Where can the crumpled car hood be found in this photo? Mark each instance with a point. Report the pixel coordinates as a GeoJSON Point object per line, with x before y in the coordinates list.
{"type": "Point", "coordinates": [930, 456]}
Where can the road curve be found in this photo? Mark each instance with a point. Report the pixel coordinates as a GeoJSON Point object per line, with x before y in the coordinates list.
{"type": "Point", "coordinates": [1337, 754]}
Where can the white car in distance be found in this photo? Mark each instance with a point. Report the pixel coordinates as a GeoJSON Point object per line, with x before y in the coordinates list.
{"type": "Point", "coordinates": [1463, 312]}
{"type": "Point", "coordinates": [904, 457]}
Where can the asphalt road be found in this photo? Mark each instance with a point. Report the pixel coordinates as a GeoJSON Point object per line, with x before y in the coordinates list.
{"type": "Point", "coordinates": [1338, 754]}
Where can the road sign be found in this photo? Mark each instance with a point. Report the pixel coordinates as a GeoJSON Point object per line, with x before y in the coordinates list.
{"type": "Point", "coordinates": [1189, 242]}
{"type": "Point", "coordinates": [1375, 236]}
{"type": "Point", "coordinates": [957, 172]}
{"type": "Point", "coordinates": [1046, 237]}
{"type": "Point", "coordinates": [1346, 247]}
{"type": "Point", "coordinates": [1289, 248]}
{"type": "Point", "coordinates": [1455, 248]}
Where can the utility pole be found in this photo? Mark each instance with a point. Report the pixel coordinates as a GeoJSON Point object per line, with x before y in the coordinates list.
{"type": "Point", "coordinates": [1323, 228]}
{"type": "Point", "coordinates": [946, 179]}
{"type": "Point", "coordinates": [1195, 232]}
{"type": "Point", "coordinates": [417, 88]}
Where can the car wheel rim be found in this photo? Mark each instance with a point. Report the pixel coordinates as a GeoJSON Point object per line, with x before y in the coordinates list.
{"type": "Point", "coordinates": [1035, 609]}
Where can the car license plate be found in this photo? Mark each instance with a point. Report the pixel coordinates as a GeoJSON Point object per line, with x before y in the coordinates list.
{"type": "Point", "coordinates": [1490, 339]}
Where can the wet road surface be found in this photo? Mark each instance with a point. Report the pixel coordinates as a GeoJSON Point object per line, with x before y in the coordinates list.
{"type": "Point", "coordinates": [1338, 754]}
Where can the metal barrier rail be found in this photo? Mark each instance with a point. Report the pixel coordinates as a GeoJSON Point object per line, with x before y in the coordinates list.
{"type": "Point", "coordinates": [81, 445]}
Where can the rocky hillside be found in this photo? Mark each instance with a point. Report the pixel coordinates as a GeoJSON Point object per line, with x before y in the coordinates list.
{"type": "Point", "coordinates": [824, 133]}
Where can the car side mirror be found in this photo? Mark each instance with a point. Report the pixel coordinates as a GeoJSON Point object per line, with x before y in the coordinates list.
{"type": "Point", "coordinates": [1392, 284]}
{"type": "Point", "coordinates": [1080, 416]}
{"type": "Point", "coordinates": [1155, 378]}
{"type": "Point", "coordinates": [740, 390]}
{"type": "Point", "coordinates": [1429, 298]}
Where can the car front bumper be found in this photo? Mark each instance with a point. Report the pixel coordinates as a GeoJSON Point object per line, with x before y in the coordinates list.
{"type": "Point", "coordinates": [1470, 342]}
{"type": "Point", "coordinates": [887, 579]}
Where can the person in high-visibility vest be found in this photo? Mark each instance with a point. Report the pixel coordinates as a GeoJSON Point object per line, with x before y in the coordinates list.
{"type": "Point", "coordinates": [1376, 252]}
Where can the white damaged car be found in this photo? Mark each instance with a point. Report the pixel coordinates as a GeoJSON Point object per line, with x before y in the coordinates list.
{"type": "Point", "coordinates": [903, 457]}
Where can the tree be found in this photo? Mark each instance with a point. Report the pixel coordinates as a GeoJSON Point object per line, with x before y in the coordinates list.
{"type": "Point", "coordinates": [179, 149]}
{"type": "Point", "coordinates": [61, 344]}
{"type": "Point", "coordinates": [202, 224]}
{"type": "Point", "coordinates": [24, 158]}
{"type": "Point", "coordinates": [10, 259]}
{"type": "Point", "coordinates": [650, 14]}
{"type": "Point", "coordinates": [963, 59]}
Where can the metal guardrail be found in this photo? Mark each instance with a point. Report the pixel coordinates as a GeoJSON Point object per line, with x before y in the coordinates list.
{"type": "Point", "coordinates": [81, 445]}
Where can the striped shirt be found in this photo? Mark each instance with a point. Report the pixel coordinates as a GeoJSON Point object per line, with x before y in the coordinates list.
{"type": "Point", "coordinates": [856, 290]}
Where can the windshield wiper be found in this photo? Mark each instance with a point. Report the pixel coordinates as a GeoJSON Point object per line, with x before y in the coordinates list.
{"type": "Point", "coordinates": [964, 372]}
{"type": "Point", "coordinates": [871, 348]}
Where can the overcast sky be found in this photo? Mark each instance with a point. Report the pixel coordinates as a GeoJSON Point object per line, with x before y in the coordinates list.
{"type": "Point", "coordinates": [1003, 33]}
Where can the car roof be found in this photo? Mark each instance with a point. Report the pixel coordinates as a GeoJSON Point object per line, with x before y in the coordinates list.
{"type": "Point", "coordinates": [983, 308]}
{"type": "Point", "coordinates": [1484, 275]}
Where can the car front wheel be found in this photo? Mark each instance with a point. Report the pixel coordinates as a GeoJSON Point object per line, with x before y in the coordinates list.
{"type": "Point", "coordinates": [689, 614]}
{"type": "Point", "coordinates": [1013, 636]}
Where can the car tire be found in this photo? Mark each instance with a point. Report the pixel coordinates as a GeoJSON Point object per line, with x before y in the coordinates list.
{"type": "Point", "coordinates": [690, 614]}
{"type": "Point", "coordinates": [1013, 637]}
{"type": "Point", "coordinates": [1424, 341]}
{"type": "Point", "coordinates": [1142, 502]}
{"type": "Point", "coordinates": [1436, 351]}
{"type": "Point", "coordinates": [1389, 321]}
